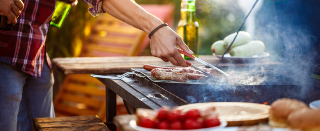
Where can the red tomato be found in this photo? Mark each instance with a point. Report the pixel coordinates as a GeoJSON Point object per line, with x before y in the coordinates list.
{"type": "Point", "coordinates": [148, 123]}
{"type": "Point", "coordinates": [156, 122]}
{"type": "Point", "coordinates": [212, 122]}
{"type": "Point", "coordinates": [190, 123]}
{"type": "Point", "coordinates": [182, 116]}
{"type": "Point", "coordinates": [163, 125]}
{"type": "Point", "coordinates": [163, 113]}
{"type": "Point", "coordinates": [176, 125]}
{"type": "Point", "coordinates": [193, 113]}
{"type": "Point", "coordinates": [199, 123]}
{"type": "Point", "coordinates": [172, 116]}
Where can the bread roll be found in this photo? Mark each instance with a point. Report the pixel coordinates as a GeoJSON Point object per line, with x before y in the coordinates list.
{"type": "Point", "coordinates": [242, 38]}
{"type": "Point", "coordinates": [218, 47]}
{"type": "Point", "coordinates": [248, 49]}
{"type": "Point", "coordinates": [306, 119]}
{"type": "Point", "coordinates": [281, 109]}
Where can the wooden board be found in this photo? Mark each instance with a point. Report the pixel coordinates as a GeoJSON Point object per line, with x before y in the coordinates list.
{"type": "Point", "coordinates": [235, 113]}
{"type": "Point", "coordinates": [75, 123]}
{"type": "Point", "coordinates": [108, 65]}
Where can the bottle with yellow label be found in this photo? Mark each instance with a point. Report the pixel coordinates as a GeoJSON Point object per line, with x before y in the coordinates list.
{"type": "Point", "coordinates": [188, 26]}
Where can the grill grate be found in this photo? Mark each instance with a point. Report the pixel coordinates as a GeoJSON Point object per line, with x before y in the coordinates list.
{"type": "Point", "coordinates": [274, 86]}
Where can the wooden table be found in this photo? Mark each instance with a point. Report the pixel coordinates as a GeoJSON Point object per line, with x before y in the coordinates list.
{"type": "Point", "coordinates": [118, 65]}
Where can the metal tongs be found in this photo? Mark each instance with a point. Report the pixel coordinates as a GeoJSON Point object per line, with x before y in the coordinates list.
{"type": "Point", "coordinates": [201, 61]}
{"type": "Point", "coordinates": [197, 68]}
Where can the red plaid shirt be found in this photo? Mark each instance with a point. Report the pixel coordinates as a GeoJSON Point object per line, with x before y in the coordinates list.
{"type": "Point", "coordinates": [24, 46]}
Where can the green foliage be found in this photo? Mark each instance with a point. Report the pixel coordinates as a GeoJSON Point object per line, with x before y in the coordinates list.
{"type": "Point", "coordinates": [216, 21]}
{"type": "Point", "coordinates": [216, 18]}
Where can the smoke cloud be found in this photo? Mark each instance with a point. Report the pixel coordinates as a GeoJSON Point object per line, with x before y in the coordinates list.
{"type": "Point", "coordinates": [290, 44]}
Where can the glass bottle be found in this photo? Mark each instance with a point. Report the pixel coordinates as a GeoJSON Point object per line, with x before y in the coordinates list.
{"type": "Point", "coordinates": [183, 18]}
{"type": "Point", "coordinates": [60, 13]}
{"type": "Point", "coordinates": [191, 28]}
{"type": "Point", "coordinates": [3, 23]}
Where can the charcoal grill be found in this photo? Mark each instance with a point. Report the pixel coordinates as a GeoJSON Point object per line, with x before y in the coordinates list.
{"type": "Point", "coordinates": [139, 90]}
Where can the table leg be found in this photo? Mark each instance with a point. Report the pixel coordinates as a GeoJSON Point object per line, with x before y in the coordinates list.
{"type": "Point", "coordinates": [111, 105]}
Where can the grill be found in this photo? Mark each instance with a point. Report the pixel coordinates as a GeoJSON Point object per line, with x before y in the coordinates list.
{"type": "Point", "coordinates": [139, 90]}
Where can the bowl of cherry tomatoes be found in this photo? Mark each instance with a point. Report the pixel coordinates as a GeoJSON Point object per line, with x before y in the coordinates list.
{"type": "Point", "coordinates": [173, 119]}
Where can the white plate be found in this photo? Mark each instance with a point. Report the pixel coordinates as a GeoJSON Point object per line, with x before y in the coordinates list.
{"type": "Point", "coordinates": [134, 125]}
{"type": "Point", "coordinates": [228, 57]}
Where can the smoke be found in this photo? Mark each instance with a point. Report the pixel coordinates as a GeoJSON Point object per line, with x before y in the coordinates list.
{"type": "Point", "coordinates": [285, 40]}
{"type": "Point", "coordinates": [287, 43]}
{"type": "Point", "coordinates": [295, 43]}
{"type": "Point", "coordinates": [246, 6]}
{"type": "Point", "coordinates": [191, 99]}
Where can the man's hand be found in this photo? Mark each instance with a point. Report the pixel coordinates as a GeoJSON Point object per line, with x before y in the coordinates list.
{"type": "Point", "coordinates": [164, 45]}
{"type": "Point", "coordinates": [163, 42]}
{"type": "Point", "coordinates": [12, 9]}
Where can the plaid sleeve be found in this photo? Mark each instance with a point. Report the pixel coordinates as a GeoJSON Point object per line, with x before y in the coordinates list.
{"type": "Point", "coordinates": [96, 8]}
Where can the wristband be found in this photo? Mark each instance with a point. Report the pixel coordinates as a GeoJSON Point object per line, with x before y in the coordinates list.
{"type": "Point", "coordinates": [157, 28]}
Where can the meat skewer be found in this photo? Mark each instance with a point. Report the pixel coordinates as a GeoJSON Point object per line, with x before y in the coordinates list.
{"type": "Point", "coordinates": [169, 74]}
{"type": "Point", "coordinates": [185, 69]}
{"type": "Point", "coordinates": [175, 74]}
{"type": "Point", "coordinates": [187, 73]}
{"type": "Point", "coordinates": [150, 67]}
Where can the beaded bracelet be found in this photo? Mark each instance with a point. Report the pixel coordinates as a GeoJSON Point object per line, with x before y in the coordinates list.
{"type": "Point", "coordinates": [157, 28]}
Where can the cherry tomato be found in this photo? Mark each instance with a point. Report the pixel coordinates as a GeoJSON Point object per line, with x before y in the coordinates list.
{"type": "Point", "coordinates": [199, 123]}
{"type": "Point", "coordinates": [163, 113]}
{"type": "Point", "coordinates": [212, 122]}
{"type": "Point", "coordinates": [190, 123]}
{"type": "Point", "coordinates": [173, 115]}
{"type": "Point", "coordinates": [163, 125]}
{"type": "Point", "coordinates": [148, 123]}
{"type": "Point", "coordinates": [182, 116]}
{"type": "Point", "coordinates": [176, 125]}
{"type": "Point", "coordinates": [193, 113]}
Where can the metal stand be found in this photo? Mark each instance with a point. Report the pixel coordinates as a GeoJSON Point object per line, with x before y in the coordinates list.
{"type": "Point", "coordinates": [134, 90]}
{"type": "Point", "coordinates": [111, 110]}
{"type": "Point", "coordinates": [130, 108]}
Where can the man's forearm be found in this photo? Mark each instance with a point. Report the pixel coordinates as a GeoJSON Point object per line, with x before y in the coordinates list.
{"type": "Point", "coordinates": [130, 12]}
{"type": "Point", "coordinates": [164, 41]}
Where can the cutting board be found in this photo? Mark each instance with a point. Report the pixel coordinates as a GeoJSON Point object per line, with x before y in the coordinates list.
{"type": "Point", "coordinates": [235, 113]}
